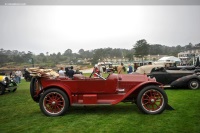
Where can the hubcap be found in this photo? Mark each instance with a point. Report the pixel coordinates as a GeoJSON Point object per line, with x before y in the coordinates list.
{"type": "Point", "coordinates": [194, 84]}
{"type": "Point", "coordinates": [152, 100]}
{"type": "Point", "coordinates": [53, 103]}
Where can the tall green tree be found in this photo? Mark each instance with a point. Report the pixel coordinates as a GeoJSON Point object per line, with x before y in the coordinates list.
{"type": "Point", "coordinates": [141, 48]}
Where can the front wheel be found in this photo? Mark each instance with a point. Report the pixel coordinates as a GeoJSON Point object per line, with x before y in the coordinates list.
{"type": "Point", "coordinates": [54, 102]}
{"type": "Point", "coordinates": [2, 89]}
{"type": "Point", "coordinates": [193, 84]}
{"type": "Point", "coordinates": [152, 100]}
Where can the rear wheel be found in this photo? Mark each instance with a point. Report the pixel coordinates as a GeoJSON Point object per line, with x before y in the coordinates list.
{"type": "Point", "coordinates": [54, 102]}
{"type": "Point", "coordinates": [2, 89]}
{"type": "Point", "coordinates": [193, 84]}
{"type": "Point", "coordinates": [152, 100]}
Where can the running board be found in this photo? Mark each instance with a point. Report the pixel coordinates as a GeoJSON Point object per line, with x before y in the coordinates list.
{"type": "Point", "coordinates": [77, 104]}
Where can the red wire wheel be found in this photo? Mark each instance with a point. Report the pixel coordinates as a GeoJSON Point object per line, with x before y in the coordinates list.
{"type": "Point", "coordinates": [152, 100]}
{"type": "Point", "coordinates": [54, 102]}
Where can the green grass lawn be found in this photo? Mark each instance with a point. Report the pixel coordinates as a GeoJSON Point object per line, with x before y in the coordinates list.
{"type": "Point", "coordinates": [19, 113]}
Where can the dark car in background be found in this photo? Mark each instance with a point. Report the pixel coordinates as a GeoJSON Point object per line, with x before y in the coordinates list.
{"type": "Point", "coordinates": [166, 77]}
{"type": "Point", "coordinates": [162, 75]}
{"type": "Point", "coordinates": [189, 81]}
{"type": "Point", "coordinates": [7, 84]}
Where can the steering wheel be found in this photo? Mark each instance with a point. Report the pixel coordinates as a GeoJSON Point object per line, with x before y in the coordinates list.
{"type": "Point", "coordinates": [97, 75]}
{"type": "Point", "coordinates": [91, 74]}
{"type": "Point", "coordinates": [100, 76]}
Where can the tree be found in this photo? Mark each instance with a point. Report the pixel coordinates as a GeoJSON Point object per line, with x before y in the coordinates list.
{"type": "Point", "coordinates": [197, 45]}
{"type": "Point", "coordinates": [141, 48]}
{"type": "Point", "coordinates": [98, 56]}
{"type": "Point", "coordinates": [81, 51]}
{"type": "Point", "coordinates": [189, 46]}
{"type": "Point", "coordinates": [129, 54]}
{"type": "Point", "coordinates": [68, 52]}
{"type": "Point", "coordinates": [155, 49]}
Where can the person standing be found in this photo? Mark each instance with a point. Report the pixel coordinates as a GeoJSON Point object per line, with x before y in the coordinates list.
{"type": "Point", "coordinates": [121, 69]}
{"type": "Point", "coordinates": [130, 69]}
{"type": "Point", "coordinates": [18, 74]}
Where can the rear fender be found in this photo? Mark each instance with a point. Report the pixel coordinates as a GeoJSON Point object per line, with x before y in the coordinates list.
{"type": "Point", "coordinates": [37, 87]}
{"type": "Point", "coordinates": [62, 87]}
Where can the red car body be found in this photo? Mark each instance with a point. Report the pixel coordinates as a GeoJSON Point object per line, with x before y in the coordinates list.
{"type": "Point", "coordinates": [55, 96]}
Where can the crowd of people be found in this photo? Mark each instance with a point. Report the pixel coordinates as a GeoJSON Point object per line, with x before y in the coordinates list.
{"type": "Point", "coordinates": [16, 75]}
{"type": "Point", "coordinates": [121, 69]}
{"type": "Point", "coordinates": [97, 70]}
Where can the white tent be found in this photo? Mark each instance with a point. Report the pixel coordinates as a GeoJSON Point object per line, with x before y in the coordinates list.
{"type": "Point", "coordinates": [169, 59]}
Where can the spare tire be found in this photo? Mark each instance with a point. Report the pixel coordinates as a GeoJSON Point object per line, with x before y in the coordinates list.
{"type": "Point", "coordinates": [33, 83]}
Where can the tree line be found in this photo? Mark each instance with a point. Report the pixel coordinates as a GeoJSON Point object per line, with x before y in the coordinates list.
{"type": "Point", "coordinates": [140, 48]}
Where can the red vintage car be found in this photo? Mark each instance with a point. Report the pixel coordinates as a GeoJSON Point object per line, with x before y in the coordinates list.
{"type": "Point", "coordinates": [56, 95]}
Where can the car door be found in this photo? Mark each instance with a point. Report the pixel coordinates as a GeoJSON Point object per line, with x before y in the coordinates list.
{"type": "Point", "coordinates": [175, 74]}
{"type": "Point", "coordinates": [97, 85]}
{"type": "Point", "coordinates": [161, 77]}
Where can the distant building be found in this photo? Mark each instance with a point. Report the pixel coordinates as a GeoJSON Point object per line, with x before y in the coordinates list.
{"type": "Point", "coordinates": [148, 58]}
{"type": "Point", "coordinates": [116, 60]}
{"type": "Point", "coordinates": [187, 57]}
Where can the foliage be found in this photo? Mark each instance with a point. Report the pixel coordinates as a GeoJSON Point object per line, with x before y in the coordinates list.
{"type": "Point", "coordinates": [140, 48]}
{"type": "Point", "coordinates": [20, 114]}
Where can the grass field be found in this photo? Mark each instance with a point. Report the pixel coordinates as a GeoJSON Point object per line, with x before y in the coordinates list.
{"type": "Point", "coordinates": [19, 113]}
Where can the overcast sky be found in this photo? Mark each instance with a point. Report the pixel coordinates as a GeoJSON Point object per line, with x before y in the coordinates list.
{"type": "Point", "coordinates": [54, 29]}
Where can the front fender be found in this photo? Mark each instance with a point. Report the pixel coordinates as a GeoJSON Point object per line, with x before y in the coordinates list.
{"type": "Point", "coordinates": [184, 80]}
{"type": "Point", "coordinates": [136, 89]}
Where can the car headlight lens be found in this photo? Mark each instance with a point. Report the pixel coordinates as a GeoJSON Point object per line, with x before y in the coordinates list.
{"type": "Point", "coordinates": [4, 79]}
